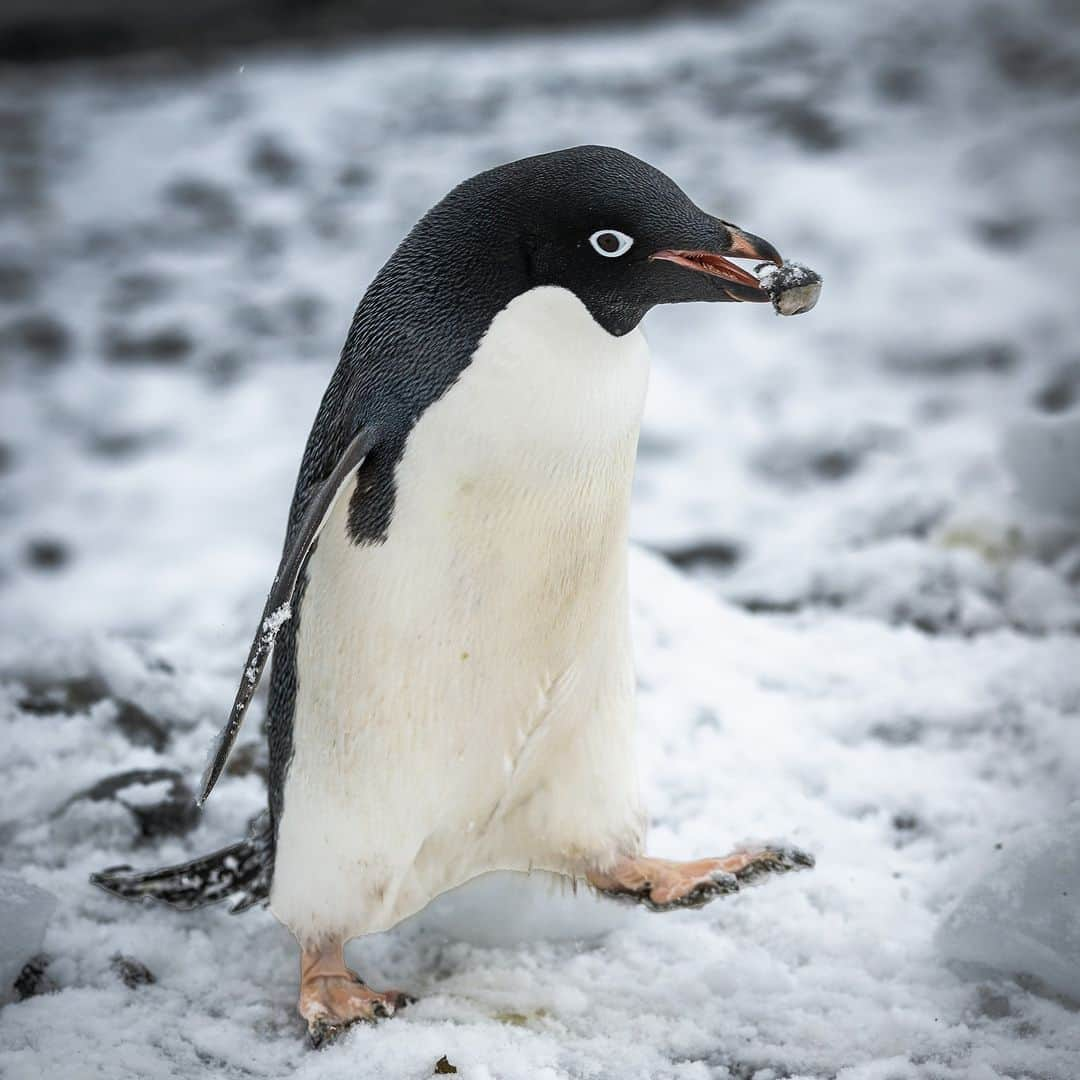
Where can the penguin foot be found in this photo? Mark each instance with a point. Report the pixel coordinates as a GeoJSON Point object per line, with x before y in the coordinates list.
{"type": "Point", "coordinates": [664, 885]}
{"type": "Point", "coordinates": [331, 1003]}
{"type": "Point", "coordinates": [332, 997]}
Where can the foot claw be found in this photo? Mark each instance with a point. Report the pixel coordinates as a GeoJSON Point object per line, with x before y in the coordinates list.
{"type": "Point", "coordinates": [773, 860]}
{"type": "Point", "coordinates": [661, 885]}
{"type": "Point", "coordinates": [321, 1033]}
{"type": "Point", "coordinates": [332, 1004]}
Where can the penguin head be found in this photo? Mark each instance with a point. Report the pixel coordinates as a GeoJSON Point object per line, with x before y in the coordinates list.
{"type": "Point", "coordinates": [615, 231]}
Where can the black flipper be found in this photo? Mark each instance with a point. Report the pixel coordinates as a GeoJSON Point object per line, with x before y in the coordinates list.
{"type": "Point", "coordinates": [278, 609]}
{"type": "Point", "coordinates": [241, 871]}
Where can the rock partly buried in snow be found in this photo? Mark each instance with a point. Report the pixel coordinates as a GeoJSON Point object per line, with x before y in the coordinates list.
{"type": "Point", "coordinates": [25, 911]}
{"type": "Point", "coordinates": [34, 978]}
{"type": "Point", "coordinates": [131, 972]}
{"type": "Point", "coordinates": [794, 288]}
{"type": "Point", "coordinates": [1020, 917]}
{"type": "Point", "coordinates": [159, 800]}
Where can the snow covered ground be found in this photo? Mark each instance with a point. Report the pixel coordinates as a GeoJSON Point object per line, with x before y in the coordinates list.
{"type": "Point", "coordinates": [857, 619]}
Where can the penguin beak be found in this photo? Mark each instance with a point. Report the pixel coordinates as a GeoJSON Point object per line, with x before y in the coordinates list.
{"type": "Point", "coordinates": [741, 245]}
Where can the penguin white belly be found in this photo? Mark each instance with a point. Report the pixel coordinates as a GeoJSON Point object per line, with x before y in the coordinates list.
{"type": "Point", "coordinates": [465, 694]}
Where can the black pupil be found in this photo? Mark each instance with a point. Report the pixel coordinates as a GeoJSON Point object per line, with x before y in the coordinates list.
{"type": "Point", "coordinates": [608, 241]}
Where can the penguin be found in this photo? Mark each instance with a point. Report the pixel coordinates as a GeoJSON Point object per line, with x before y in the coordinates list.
{"type": "Point", "coordinates": [452, 685]}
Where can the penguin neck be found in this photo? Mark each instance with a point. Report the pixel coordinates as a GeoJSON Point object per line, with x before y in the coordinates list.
{"type": "Point", "coordinates": [547, 375]}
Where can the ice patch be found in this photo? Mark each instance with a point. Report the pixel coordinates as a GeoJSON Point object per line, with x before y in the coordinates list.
{"type": "Point", "coordinates": [1042, 454]}
{"type": "Point", "coordinates": [1022, 916]}
{"type": "Point", "coordinates": [25, 911]}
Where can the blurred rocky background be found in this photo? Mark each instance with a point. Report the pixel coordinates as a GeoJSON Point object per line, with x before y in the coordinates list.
{"type": "Point", "coordinates": [857, 603]}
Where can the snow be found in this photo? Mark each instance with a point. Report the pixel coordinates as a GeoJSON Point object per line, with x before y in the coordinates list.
{"type": "Point", "coordinates": [145, 794]}
{"type": "Point", "coordinates": [268, 633]}
{"type": "Point", "coordinates": [853, 628]}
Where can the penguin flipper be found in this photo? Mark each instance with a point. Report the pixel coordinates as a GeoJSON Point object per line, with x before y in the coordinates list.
{"type": "Point", "coordinates": [240, 871]}
{"type": "Point", "coordinates": [278, 608]}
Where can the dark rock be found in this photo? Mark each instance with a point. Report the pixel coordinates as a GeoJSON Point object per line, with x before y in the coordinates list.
{"type": "Point", "coordinates": [443, 1067]}
{"type": "Point", "coordinates": [41, 336]}
{"type": "Point", "coordinates": [993, 1004]}
{"type": "Point", "coordinates": [171, 813]}
{"type": "Point", "coordinates": [131, 972]}
{"type": "Point", "coordinates": [1062, 391]}
{"type": "Point", "coordinates": [834, 464]}
{"type": "Point", "coordinates": [273, 162]}
{"type": "Point", "coordinates": [137, 289]}
{"type": "Point", "coordinates": [117, 445]}
{"type": "Point", "coordinates": [901, 84]}
{"type": "Point", "coordinates": [1031, 62]}
{"type": "Point", "coordinates": [796, 463]}
{"type": "Point", "coordinates": [202, 206]}
{"type": "Point", "coordinates": [64, 695]}
{"type": "Point", "coordinates": [139, 727]}
{"type": "Point", "coordinates": [806, 125]}
{"type": "Point", "coordinates": [78, 694]}
{"type": "Point", "coordinates": [7, 457]}
{"type": "Point", "coordinates": [165, 345]}
{"type": "Point", "coordinates": [767, 605]}
{"type": "Point", "coordinates": [158, 663]}
{"type": "Point", "coordinates": [354, 177]}
{"type": "Point", "coordinates": [717, 554]}
{"type": "Point", "coordinates": [304, 310]}
{"type": "Point", "coordinates": [906, 731]}
{"type": "Point", "coordinates": [249, 758]}
{"type": "Point", "coordinates": [47, 553]}
{"type": "Point", "coordinates": [993, 356]}
{"type": "Point", "coordinates": [34, 979]}
{"type": "Point", "coordinates": [1007, 233]}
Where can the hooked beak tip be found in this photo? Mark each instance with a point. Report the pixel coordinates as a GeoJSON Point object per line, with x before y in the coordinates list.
{"type": "Point", "coordinates": [746, 245]}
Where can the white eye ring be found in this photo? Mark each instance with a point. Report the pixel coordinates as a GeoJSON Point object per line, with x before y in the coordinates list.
{"type": "Point", "coordinates": [624, 243]}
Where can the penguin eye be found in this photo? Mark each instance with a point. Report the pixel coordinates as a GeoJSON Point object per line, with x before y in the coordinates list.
{"type": "Point", "coordinates": [611, 243]}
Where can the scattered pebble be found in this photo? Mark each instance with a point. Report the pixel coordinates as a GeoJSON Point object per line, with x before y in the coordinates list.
{"type": "Point", "coordinates": [131, 972]}
{"type": "Point", "coordinates": [794, 288]}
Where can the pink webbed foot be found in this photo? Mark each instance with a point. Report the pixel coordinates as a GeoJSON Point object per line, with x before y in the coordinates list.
{"type": "Point", "coordinates": [665, 885]}
{"type": "Point", "coordinates": [332, 997]}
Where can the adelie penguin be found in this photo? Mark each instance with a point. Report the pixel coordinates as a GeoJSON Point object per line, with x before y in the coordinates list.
{"type": "Point", "coordinates": [452, 689]}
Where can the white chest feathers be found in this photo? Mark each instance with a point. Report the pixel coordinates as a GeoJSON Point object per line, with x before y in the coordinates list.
{"type": "Point", "coordinates": [465, 688]}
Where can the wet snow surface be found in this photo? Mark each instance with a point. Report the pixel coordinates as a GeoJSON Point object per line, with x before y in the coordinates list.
{"type": "Point", "coordinates": [854, 626]}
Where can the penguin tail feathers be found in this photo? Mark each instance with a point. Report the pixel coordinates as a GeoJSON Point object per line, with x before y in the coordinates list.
{"type": "Point", "coordinates": [240, 872]}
